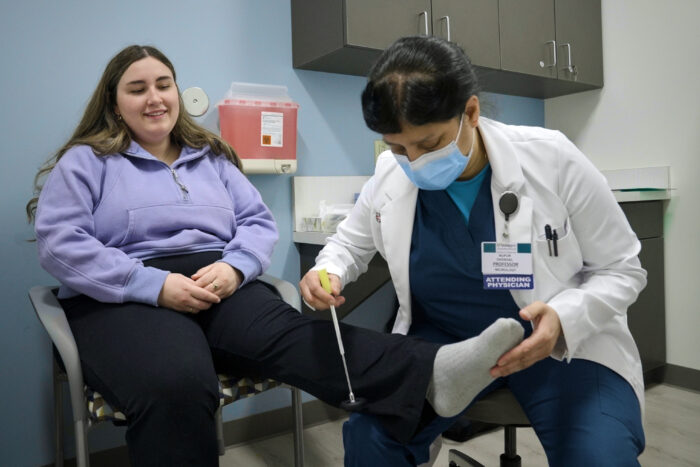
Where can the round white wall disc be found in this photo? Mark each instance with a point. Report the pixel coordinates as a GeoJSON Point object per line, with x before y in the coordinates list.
{"type": "Point", "coordinates": [196, 101]}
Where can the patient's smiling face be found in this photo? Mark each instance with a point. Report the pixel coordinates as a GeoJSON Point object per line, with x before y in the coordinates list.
{"type": "Point", "coordinates": [148, 102]}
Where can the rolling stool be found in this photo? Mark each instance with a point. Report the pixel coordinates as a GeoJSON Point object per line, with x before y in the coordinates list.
{"type": "Point", "coordinates": [501, 408]}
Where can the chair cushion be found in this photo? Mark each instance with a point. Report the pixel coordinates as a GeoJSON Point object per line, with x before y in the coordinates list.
{"type": "Point", "coordinates": [231, 389]}
{"type": "Point", "coordinates": [499, 407]}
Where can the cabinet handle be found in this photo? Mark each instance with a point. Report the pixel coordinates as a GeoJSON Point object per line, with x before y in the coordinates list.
{"type": "Point", "coordinates": [447, 20]}
{"type": "Point", "coordinates": [569, 67]}
{"type": "Point", "coordinates": [554, 55]}
{"type": "Point", "coordinates": [424, 14]}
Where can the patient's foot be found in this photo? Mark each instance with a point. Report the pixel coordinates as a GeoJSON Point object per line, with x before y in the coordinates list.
{"type": "Point", "coordinates": [461, 370]}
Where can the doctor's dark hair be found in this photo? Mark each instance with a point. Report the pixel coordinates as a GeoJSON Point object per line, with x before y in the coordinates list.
{"type": "Point", "coordinates": [417, 80]}
{"type": "Point", "coordinates": [106, 133]}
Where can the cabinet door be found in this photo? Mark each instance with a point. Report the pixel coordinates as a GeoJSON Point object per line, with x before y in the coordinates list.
{"type": "Point", "coordinates": [473, 24]}
{"type": "Point", "coordinates": [646, 317]}
{"type": "Point", "coordinates": [579, 41]}
{"type": "Point", "coordinates": [527, 36]}
{"type": "Point", "coordinates": [376, 24]}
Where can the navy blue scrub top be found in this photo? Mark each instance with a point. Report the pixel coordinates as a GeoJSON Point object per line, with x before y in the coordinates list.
{"type": "Point", "coordinates": [449, 302]}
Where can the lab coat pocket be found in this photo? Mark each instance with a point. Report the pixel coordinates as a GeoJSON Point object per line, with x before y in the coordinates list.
{"type": "Point", "coordinates": [568, 261]}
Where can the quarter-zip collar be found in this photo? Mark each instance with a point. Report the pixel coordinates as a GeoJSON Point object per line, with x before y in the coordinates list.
{"type": "Point", "coordinates": [186, 153]}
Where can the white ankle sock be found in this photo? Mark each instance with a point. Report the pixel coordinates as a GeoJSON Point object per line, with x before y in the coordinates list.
{"type": "Point", "coordinates": [461, 370]}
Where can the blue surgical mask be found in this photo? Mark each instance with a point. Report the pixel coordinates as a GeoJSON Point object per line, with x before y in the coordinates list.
{"type": "Point", "coordinates": [436, 170]}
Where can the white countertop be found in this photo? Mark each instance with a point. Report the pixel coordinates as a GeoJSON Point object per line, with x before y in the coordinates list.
{"type": "Point", "coordinates": [629, 196]}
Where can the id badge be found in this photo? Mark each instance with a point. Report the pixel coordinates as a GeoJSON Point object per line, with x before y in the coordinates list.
{"type": "Point", "coordinates": [507, 265]}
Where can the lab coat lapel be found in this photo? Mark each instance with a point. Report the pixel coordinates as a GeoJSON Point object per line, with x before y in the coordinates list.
{"type": "Point", "coordinates": [397, 216]}
{"type": "Point", "coordinates": [507, 175]}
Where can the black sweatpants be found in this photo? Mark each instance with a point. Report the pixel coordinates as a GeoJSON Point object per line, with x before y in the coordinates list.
{"type": "Point", "coordinates": [159, 366]}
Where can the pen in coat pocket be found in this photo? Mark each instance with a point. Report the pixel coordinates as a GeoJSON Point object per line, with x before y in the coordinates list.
{"type": "Point", "coordinates": [548, 236]}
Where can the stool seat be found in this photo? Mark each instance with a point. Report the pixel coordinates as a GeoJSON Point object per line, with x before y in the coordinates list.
{"type": "Point", "coordinates": [500, 408]}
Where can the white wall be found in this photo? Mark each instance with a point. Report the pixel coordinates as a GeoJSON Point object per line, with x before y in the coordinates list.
{"type": "Point", "coordinates": [648, 114]}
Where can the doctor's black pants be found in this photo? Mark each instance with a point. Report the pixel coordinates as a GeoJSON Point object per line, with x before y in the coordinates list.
{"type": "Point", "coordinates": [159, 366]}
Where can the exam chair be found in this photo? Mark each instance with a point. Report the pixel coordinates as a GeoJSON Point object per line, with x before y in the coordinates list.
{"type": "Point", "coordinates": [89, 407]}
{"type": "Point", "coordinates": [500, 408]}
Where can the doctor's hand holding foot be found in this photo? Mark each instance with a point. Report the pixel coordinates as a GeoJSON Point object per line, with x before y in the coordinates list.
{"type": "Point", "coordinates": [461, 370]}
{"type": "Point", "coordinates": [539, 345]}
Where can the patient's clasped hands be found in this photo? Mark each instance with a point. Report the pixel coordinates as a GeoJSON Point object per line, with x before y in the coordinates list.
{"type": "Point", "coordinates": [206, 287]}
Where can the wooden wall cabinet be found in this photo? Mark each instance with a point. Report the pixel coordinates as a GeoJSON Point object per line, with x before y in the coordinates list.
{"type": "Point", "coordinates": [534, 48]}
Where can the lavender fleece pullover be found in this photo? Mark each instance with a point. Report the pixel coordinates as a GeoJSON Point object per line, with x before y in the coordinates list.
{"type": "Point", "coordinates": [100, 217]}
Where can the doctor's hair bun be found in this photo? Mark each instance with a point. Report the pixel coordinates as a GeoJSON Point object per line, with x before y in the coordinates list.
{"type": "Point", "coordinates": [417, 80]}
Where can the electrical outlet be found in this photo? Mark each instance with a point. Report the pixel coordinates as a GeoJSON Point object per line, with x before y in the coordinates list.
{"type": "Point", "coordinates": [379, 147]}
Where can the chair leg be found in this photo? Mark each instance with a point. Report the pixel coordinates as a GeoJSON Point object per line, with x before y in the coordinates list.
{"type": "Point", "coordinates": [58, 415]}
{"type": "Point", "coordinates": [82, 455]}
{"type": "Point", "coordinates": [510, 457]}
{"type": "Point", "coordinates": [298, 415]}
{"type": "Point", "coordinates": [220, 432]}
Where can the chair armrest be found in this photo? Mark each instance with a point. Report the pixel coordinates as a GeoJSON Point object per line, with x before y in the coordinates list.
{"type": "Point", "coordinates": [53, 318]}
{"type": "Point", "coordinates": [285, 289]}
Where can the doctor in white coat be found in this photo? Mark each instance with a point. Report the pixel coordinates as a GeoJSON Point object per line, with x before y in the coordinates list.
{"type": "Point", "coordinates": [479, 220]}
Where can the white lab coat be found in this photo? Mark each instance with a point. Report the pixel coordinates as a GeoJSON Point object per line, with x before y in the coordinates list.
{"type": "Point", "coordinates": [592, 282]}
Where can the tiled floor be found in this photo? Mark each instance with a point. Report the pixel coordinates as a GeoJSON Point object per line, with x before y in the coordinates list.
{"type": "Point", "coordinates": [672, 426]}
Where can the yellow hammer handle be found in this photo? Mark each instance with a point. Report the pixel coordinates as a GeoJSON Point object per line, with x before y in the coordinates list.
{"type": "Point", "coordinates": [325, 281]}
